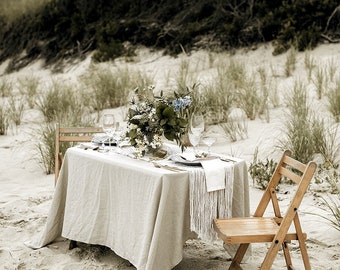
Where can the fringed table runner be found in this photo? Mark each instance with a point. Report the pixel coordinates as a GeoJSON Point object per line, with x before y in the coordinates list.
{"type": "Point", "coordinates": [205, 206]}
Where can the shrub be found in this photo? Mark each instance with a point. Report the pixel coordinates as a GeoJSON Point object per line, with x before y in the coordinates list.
{"type": "Point", "coordinates": [261, 171]}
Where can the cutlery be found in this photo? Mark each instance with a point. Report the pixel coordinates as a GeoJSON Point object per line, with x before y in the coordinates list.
{"type": "Point", "coordinates": [170, 168]}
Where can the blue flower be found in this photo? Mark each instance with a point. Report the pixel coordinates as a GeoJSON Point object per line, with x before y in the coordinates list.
{"type": "Point", "coordinates": [181, 103]}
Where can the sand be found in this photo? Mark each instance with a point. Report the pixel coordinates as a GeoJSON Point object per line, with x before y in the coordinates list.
{"type": "Point", "coordinates": [26, 192]}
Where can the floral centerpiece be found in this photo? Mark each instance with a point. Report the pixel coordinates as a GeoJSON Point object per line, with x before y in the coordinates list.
{"type": "Point", "coordinates": [151, 118]}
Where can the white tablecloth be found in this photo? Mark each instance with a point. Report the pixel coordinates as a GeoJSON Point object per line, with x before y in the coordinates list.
{"type": "Point", "coordinates": [141, 212]}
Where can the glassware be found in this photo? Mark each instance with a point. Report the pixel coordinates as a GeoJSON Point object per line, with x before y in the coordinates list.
{"type": "Point", "coordinates": [109, 126]}
{"type": "Point", "coordinates": [208, 140]}
{"type": "Point", "coordinates": [119, 133]}
{"type": "Point", "coordinates": [197, 123]}
{"type": "Point", "coordinates": [196, 127]}
{"type": "Point", "coordinates": [194, 138]}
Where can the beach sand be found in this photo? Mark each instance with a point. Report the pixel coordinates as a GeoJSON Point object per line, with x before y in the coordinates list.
{"type": "Point", "coordinates": [26, 192]}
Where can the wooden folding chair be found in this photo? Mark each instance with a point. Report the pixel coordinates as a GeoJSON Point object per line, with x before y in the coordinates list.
{"type": "Point", "coordinates": [274, 230]}
{"type": "Point", "coordinates": [71, 134]}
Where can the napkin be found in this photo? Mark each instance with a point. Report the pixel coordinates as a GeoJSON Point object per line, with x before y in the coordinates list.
{"type": "Point", "coordinates": [214, 173]}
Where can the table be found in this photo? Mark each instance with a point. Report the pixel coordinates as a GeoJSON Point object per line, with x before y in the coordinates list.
{"type": "Point", "coordinates": [139, 211]}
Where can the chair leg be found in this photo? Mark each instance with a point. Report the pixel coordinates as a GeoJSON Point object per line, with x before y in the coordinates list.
{"type": "Point", "coordinates": [302, 243]}
{"type": "Point", "coordinates": [287, 256]}
{"type": "Point", "coordinates": [270, 256]}
{"type": "Point", "coordinates": [241, 251]}
{"type": "Point", "coordinates": [73, 244]}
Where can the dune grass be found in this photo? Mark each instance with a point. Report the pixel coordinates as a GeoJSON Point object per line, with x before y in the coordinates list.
{"type": "Point", "coordinates": [333, 96]}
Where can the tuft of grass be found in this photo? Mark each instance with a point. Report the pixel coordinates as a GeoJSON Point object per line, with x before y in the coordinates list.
{"type": "Point", "coordinates": [264, 106]}
{"type": "Point", "coordinates": [235, 129]}
{"type": "Point", "coordinates": [6, 87]}
{"type": "Point", "coordinates": [28, 87]}
{"type": "Point", "coordinates": [298, 127]}
{"type": "Point", "coordinates": [105, 88]}
{"type": "Point", "coordinates": [290, 63]}
{"type": "Point", "coordinates": [15, 110]}
{"type": "Point", "coordinates": [236, 73]}
{"type": "Point", "coordinates": [184, 76]}
{"type": "Point", "coordinates": [248, 98]}
{"type": "Point", "coordinates": [319, 81]}
{"type": "Point", "coordinates": [331, 69]}
{"type": "Point", "coordinates": [331, 204]}
{"type": "Point", "coordinates": [325, 141]}
{"type": "Point", "coordinates": [58, 102]}
{"type": "Point", "coordinates": [3, 120]}
{"type": "Point", "coordinates": [333, 96]}
{"type": "Point", "coordinates": [309, 61]}
{"type": "Point", "coordinates": [45, 147]}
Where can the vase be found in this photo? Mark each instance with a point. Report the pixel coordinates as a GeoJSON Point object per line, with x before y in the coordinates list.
{"type": "Point", "coordinates": [158, 152]}
{"type": "Point", "coordinates": [185, 140]}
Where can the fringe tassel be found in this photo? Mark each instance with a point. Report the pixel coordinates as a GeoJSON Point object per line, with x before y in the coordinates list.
{"type": "Point", "coordinates": [205, 206]}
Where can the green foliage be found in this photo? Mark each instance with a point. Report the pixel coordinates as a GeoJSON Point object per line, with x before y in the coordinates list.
{"type": "Point", "coordinates": [106, 88]}
{"type": "Point", "coordinates": [15, 110]}
{"type": "Point", "coordinates": [6, 87]}
{"type": "Point", "coordinates": [3, 120]}
{"type": "Point", "coordinates": [28, 87]}
{"type": "Point", "coordinates": [45, 147]}
{"type": "Point", "coordinates": [60, 104]}
{"type": "Point", "coordinates": [333, 96]}
{"type": "Point", "coordinates": [248, 98]}
{"type": "Point", "coordinates": [298, 125]}
{"type": "Point", "coordinates": [235, 128]}
{"type": "Point", "coordinates": [59, 29]}
{"type": "Point", "coordinates": [331, 205]}
{"type": "Point", "coordinates": [290, 62]}
{"type": "Point", "coordinates": [261, 171]}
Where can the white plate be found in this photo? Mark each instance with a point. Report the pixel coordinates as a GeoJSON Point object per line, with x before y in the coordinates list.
{"type": "Point", "coordinates": [102, 138]}
{"type": "Point", "coordinates": [196, 162]}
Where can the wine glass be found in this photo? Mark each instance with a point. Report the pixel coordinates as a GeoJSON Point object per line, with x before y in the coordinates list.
{"type": "Point", "coordinates": [109, 125]}
{"type": "Point", "coordinates": [196, 128]}
{"type": "Point", "coordinates": [120, 130]}
{"type": "Point", "coordinates": [208, 140]}
{"type": "Point", "coordinates": [194, 138]}
{"type": "Point", "coordinates": [197, 123]}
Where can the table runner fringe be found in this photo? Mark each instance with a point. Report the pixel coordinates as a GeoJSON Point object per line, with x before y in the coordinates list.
{"type": "Point", "coordinates": [205, 206]}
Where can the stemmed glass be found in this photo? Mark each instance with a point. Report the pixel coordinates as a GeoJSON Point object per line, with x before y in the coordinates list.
{"type": "Point", "coordinates": [109, 125]}
{"type": "Point", "coordinates": [120, 130]}
{"type": "Point", "coordinates": [196, 128]}
{"type": "Point", "coordinates": [197, 123]}
{"type": "Point", "coordinates": [208, 140]}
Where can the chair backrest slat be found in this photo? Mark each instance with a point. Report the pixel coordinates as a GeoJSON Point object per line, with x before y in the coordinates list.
{"type": "Point", "coordinates": [290, 175]}
{"type": "Point", "coordinates": [294, 163]}
{"type": "Point", "coordinates": [71, 134]}
{"type": "Point", "coordinates": [287, 166]}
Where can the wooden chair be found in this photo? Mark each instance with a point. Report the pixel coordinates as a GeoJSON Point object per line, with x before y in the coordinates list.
{"type": "Point", "coordinates": [274, 229]}
{"type": "Point", "coordinates": [71, 134]}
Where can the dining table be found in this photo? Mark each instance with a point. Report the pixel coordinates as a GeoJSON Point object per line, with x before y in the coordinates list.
{"type": "Point", "coordinates": [144, 209]}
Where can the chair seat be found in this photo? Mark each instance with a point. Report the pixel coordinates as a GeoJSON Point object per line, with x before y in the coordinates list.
{"type": "Point", "coordinates": [249, 230]}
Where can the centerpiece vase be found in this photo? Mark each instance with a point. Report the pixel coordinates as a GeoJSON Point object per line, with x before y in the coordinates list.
{"type": "Point", "coordinates": [157, 152]}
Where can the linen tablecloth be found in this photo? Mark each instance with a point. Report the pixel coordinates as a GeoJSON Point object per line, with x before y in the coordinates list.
{"type": "Point", "coordinates": [141, 212]}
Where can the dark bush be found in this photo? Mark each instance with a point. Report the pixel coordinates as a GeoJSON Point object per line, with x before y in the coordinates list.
{"type": "Point", "coordinates": [70, 28]}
